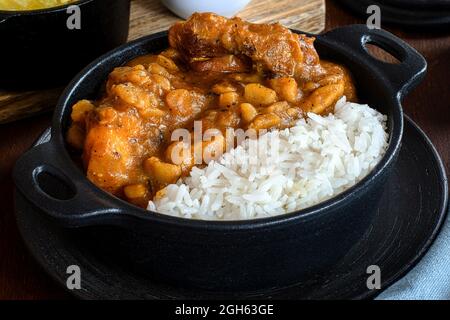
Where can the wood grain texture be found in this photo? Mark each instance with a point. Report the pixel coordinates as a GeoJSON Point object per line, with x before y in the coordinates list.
{"type": "Point", "coordinates": [428, 105]}
{"type": "Point", "coordinates": [150, 16]}
{"type": "Point", "coordinates": [306, 15]}
{"type": "Point", "coordinates": [18, 105]}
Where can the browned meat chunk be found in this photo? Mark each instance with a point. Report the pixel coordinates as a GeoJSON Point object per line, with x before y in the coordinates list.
{"type": "Point", "coordinates": [272, 47]}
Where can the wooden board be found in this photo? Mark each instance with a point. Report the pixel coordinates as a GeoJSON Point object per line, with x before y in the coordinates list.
{"type": "Point", "coordinates": [306, 15]}
{"type": "Point", "coordinates": [150, 16]}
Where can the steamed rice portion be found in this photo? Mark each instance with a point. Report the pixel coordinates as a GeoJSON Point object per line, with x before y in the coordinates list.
{"type": "Point", "coordinates": [294, 168]}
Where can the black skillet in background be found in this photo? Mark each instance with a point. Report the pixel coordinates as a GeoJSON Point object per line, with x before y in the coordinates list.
{"type": "Point", "coordinates": [38, 50]}
{"type": "Point", "coordinates": [414, 15]}
{"type": "Point", "coordinates": [408, 218]}
{"type": "Point", "coordinates": [230, 256]}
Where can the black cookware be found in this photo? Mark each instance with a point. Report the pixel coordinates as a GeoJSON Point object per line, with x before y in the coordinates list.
{"type": "Point", "coordinates": [409, 216]}
{"type": "Point", "coordinates": [224, 256]}
{"type": "Point", "coordinates": [412, 14]}
{"type": "Point", "coordinates": [43, 48]}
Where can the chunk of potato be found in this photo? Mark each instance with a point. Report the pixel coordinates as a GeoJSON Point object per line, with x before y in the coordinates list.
{"type": "Point", "coordinates": [133, 96]}
{"type": "Point", "coordinates": [265, 121]}
{"type": "Point", "coordinates": [248, 112]}
{"type": "Point", "coordinates": [136, 75]}
{"type": "Point", "coordinates": [212, 149]}
{"type": "Point", "coordinates": [80, 110]}
{"type": "Point", "coordinates": [160, 81]}
{"type": "Point", "coordinates": [226, 119]}
{"type": "Point", "coordinates": [228, 99]}
{"type": "Point", "coordinates": [166, 63]}
{"type": "Point", "coordinates": [162, 172]}
{"type": "Point", "coordinates": [286, 88]}
{"type": "Point", "coordinates": [106, 115]}
{"type": "Point", "coordinates": [277, 107]}
{"type": "Point", "coordinates": [135, 191]}
{"type": "Point", "coordinates": [323, 98]}
{"type": "Point", "coordinates": [179, 153]}
{"type": "Point", "coordinates": [157, 84]}
{"type": "Point", "coordinates": [294, 112]}
{"type": "Point", "coordinates": [179, 102]}
{"type": "Point", "coordinates": [151, 113]}
{"type": "Point", "coordinates": [310, 86]}
{"type": "Point", "coordinates": [155, 68]}
{"type": "Point", "coordinates": [258, 94]}
{"type": "Point", "coordinates": [331, 79]}
{"type": "Point", "coordinates": [335, 73]}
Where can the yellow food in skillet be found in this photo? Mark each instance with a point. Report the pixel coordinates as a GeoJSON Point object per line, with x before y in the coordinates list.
{"type": "Point", "coordinates": [19, 5]}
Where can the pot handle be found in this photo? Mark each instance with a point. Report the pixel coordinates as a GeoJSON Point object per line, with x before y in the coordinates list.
{"type": "Point", "coordinates": [403, 76]}
{"type": "Point", "coordinates": [70, 201]}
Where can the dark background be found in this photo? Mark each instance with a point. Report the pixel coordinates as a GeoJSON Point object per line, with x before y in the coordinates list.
{"type": "Point", "coordinates": [428, 105]}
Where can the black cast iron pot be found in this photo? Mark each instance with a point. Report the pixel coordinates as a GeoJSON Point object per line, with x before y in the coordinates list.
{"type": "Point", "coordinates": [38, 49]}
{"type": "Point", "coordinates": [223, 256]}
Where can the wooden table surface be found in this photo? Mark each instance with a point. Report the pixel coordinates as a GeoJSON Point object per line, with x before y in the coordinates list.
{"type": "Point", "coordinates": [428, 105]}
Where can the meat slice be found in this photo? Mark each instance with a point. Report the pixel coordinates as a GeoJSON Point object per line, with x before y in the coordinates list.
{"type": "Point", "coordinates": [273, 48]}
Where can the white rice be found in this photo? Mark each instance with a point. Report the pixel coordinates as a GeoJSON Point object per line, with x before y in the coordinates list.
{"type": "Point", "coordinates": [317, 159]}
